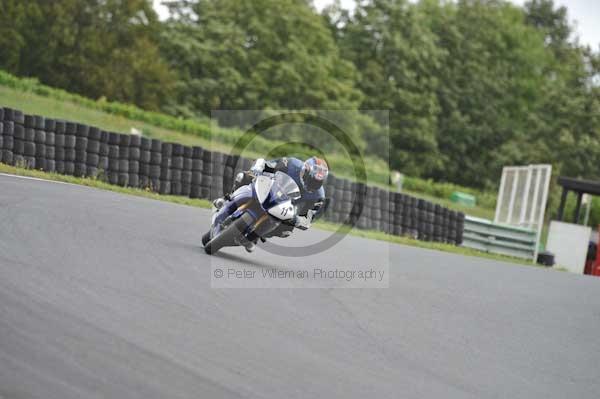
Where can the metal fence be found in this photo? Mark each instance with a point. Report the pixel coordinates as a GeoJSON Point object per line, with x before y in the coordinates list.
{"type": "Point", "coordinates": [522, 198]}
{"type": "Point", "coordinates": [485, 235]}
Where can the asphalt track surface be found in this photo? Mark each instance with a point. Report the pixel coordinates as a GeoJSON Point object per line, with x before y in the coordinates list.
{"type": "Point", "coordinates": [104, 295]}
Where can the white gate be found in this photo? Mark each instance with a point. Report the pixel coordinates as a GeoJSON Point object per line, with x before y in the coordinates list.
{"type": "Point", "coordinates": [523, 196]}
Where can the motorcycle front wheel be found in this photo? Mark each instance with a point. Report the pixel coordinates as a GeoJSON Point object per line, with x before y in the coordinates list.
{"type": "Point", "coordinates": [226, 237]}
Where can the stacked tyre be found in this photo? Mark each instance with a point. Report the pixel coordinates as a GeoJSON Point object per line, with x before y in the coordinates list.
{"type": "Point", "coordinates": [165, 169]}
{"type": "Point", "coordinates": [438, 224]}
{"type": "Point", "coordinates": [81, 141]}
{"type": "Point", "coordinates": [7, 138]}
{"type": "Point", "coordinates": [103, 153]}
{"type": "Point", "coordinates": [18, 145]}
{"type": "Point", "coordinates": [177, 168]}
{"type": "Point", "coordinates": [123, 177]}
{"type": "Point", "coordinates": [329, 213]}
{"type": "Point", "coordinates": [112, 175]}
{"type": "Point", "coordinates": [29, 142]}
{"type": "Point", "coordinates": [59, 146]}
{"type": "Point", "coordinates": [207, 178]}
{"type": "Point", "coordinates": [92, 159]}
{"type": "Point", "coordinates": [135, 152]}
{"type": "Point", "coordinates": [218, 169]}
{"type": "Point", "coordinates": [396, 218]}
{"type": "Point", "coordinates": [70, 152]}
{"type": "Point", "coordinates": [362, 210]}
{"type": "Point", "coordinates": [196, 175]}
{"type": "Point", "coordinates": [155, 165]}
{"type": "Point", "coordinates": [144, 167]}
{"type": "Point", "coordinates": [50, 129]}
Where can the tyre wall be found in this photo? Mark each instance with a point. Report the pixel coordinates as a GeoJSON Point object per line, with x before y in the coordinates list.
{"type": "Point", "coordinates": [71, 148]}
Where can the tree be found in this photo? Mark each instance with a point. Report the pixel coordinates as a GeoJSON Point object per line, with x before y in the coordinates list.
{"type": "Point", "coordinates": [397, 58]}
{"type": "Point", "coordinates": [255, 55]}
{"type": "Point", "coordinates": [101, 48]}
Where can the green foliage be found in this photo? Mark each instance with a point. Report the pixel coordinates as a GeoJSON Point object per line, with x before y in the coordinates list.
{"type": "Point", "coordinates": [96, 48]}
{"type": "Point", "coordinates": [389, 43]}
{"type": "Point", "coordinates": [256, 55]}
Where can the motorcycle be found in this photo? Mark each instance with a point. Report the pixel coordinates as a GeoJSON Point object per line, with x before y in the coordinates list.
{"type": "Point", "coordinates": [253, 211]}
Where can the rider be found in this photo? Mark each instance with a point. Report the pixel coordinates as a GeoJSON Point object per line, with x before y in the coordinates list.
{"type": "Point", "coordinates": [309, 175]}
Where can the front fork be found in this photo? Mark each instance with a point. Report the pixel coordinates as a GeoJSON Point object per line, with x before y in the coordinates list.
{"type": "Point", "coordinates": [243, 204]}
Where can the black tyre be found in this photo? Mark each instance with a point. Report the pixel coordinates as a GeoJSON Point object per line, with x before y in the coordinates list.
{"type": "Point", "coordinates": [50, 165]}
{"type": "Point", "coordinates": [29, 121]}
{"type": "Point", "coordinates": [50, 125]}
{"type": "Point", "coordinates": [103, 163]}
{"type": "Point", "coordinates": [81, 144]}
{"type": "Point", "coordinates": [40, 150]}
{"type": "Point", "coordinates": [113, 151]}
{"type": "Point", "coordinates": [50, 138]}
{"type": "Point", "coordinates": [69, 141]}
{"type": "Point", "coordinates": [177, 162]}
{"type": "Point", "coordinates": [134, 180]}
{"type": "Point", "coordinates": [226, 237]}
{"type": "Point", "coordinates": [135, 140]}
{"type": "Point", "coordinates": [123, 152]}
{"type": "Point", "coordinates": [80, 169]}
{"type": "Point", "coordinates": [92, 160]}
{"type": "Point", "coordinates": [94, 133]}
{"type": "Point", "coordinates": [70, 128]}
{"type": "Point", "coordinates": [61, 127]}
{"type": "Point", "coordinates": [50, 153]}
{"type": "Point", "coordinates": [82, 130]}
{"type": "Point", "coordinates": [154, 171]}
{"type": "Point", "coordinates": [93, 146]}
{"type": "Point", "coordinates": [155, 158]}
{"type": "Point", "coordinates": [8, 143]}
{"type": "Point", "coordinates": [134, 153]}
{"type": "Point", "coordinates": [18, 146]}
{"type": "Point", "coordinates": [205, 238]}
{"type": "Point", "coordinates": [19, 132]}
{"type": "Point", "coordinates": [113, 138]}
{"type": "Point", "coordinates": [145, 156]}
{"type": "Point", "coordinates": [113, 164]}
{"type": "Point", "coordinates": [134, 167]}
{"type": "Point", "coordinates": [144, 169]}
{"type": "Point", "coordinates": [69, 168]}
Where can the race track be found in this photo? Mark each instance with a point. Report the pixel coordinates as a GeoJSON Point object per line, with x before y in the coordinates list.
{"type": "Point", "coordinates": [104, 295]}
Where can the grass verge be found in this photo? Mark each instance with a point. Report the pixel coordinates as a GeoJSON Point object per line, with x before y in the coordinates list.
{"type": "Point", "coordinates": [201, 203]}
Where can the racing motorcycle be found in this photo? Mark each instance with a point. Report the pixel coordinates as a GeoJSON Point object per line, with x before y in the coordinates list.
{"type": "Point", "coordinates": [253, 211]}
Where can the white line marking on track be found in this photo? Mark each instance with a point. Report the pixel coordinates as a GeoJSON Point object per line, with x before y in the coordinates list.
{"type": "Point", "coordinates": [40, 179]}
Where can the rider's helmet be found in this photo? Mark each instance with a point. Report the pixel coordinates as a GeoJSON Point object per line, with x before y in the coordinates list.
{"type": "Point", "coordinates": [314, 173]}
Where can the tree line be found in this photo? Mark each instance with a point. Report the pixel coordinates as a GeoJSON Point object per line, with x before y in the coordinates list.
{"type": "Point", "coordinates": [471, 85]}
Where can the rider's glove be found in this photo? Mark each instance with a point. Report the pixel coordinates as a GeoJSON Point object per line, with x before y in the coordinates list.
{"type": "Point", "coordinates": [258, 167]}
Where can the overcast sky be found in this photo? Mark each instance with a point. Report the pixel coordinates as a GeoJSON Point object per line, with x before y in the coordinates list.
{"type": "Point", "coordinates": [585, 14]}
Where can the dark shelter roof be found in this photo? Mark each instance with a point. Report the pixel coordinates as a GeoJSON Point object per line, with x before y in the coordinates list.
{"type": "Point", "coordinates": [580, 186]}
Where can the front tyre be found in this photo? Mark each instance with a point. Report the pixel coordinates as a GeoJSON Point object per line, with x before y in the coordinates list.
{"type": "Point", "coordinates": [226, 237]}
{"type": "Point", "coordinates": [205, 238]}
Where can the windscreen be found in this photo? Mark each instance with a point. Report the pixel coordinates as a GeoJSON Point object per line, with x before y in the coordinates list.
{"type": "Point", "coordinates": [287, 185]}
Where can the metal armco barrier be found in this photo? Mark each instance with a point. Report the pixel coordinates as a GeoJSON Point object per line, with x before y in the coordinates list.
{"type": "Point", "coordinates": [70, 148]}
{"type": "Point", "coordinates": [485, 235]}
